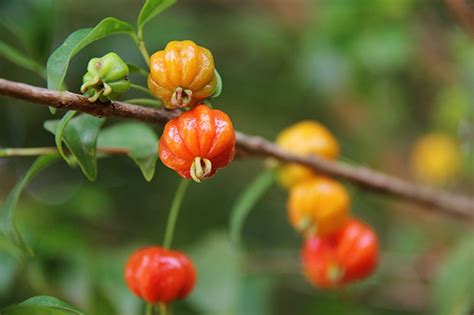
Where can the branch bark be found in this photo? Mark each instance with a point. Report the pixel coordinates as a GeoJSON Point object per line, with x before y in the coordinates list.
{"type": "Point", "coordinates": [464, 12]}
{"type": "Point", "coordinates": [254, 146]}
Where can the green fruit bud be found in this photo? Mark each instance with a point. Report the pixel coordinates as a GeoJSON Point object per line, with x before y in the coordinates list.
{"type": "Point", "coordinates": [106, 78]}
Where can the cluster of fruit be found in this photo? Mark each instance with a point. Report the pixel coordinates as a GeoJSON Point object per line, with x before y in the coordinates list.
{"type": "Point", "coordinates": [338, 248]}
{"type": "Point", "coordinates": [183, 76]}
{"type": "Point", "coordinates": [195, 144]}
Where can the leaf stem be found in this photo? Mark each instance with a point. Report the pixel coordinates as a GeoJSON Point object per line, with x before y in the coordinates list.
{"type": "Point", "coordinates": [138, 38]}
{"type": "Point", "coordinates": [141, 89]}
{"type": "Point", "coordinates": [174, 211]}
{"type": "Point", "coordinates": [9, 152]}
{"type": "Point", "coordinates": [137, 70]}
{"type": "Point", "coordinates": [58, 138]}
{"type": "Point", "coordinates": [144, 101]}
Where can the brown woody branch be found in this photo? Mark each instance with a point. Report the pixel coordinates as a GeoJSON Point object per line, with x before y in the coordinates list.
{"type": "Point", "coordinates": [253, 145]}
{"type": "Point", "coordinates": [464, 12]}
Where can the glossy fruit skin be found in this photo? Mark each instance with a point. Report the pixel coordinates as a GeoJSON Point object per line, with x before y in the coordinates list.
{"type": "Point", "coordinates": [106, 78]}
{"type": "Point", "coordinates": [345, 256]}
{"type": "Point", "coordinates": [182, 75]}
{"type": "Point", "coordinates": [157, 275]}
{"type": "Point", "coordinates": [305, 138]}
{"type": "Point", "coordinates": [318, 205]}
{"type": "Point", "coordinates": [436, 158]}
{"type": "Point", "coordinates": [201, 133]}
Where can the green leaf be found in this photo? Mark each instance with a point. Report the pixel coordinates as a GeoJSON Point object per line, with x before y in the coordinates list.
{"type": "Point", "coordinates": [34, 310]}
{"type": "Point", "coordinates": [246, 201]}
{"type": "Point", "coordinates": [139, 139]}
{"type": "Point", "coordinates": [454, 284]}
{"type": "Point", "coordinates": [80, 136]}
{"type": "Point", "coordinates": [7, 212]}
{"type": "Point", "coordinates": [58, 136]}
{"type": "Point", "coordinates": [218, 89]}
{"type": "Point", "coordinates": [150, 9]}
{"type": "Point", "coordinates": [58, 62]}
{"type": "Point", "coordinates": [18, 58]}
{"type": "Point", "coordinates": [42, 305]}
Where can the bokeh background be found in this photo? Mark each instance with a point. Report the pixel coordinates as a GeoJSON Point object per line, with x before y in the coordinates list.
{"type": "Point", "coordinates": [380, 74]}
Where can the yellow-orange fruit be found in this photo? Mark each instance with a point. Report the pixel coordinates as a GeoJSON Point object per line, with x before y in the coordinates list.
{"type": "Point", "coordinates": [436, 158]}
{"type": "Point", "coordinates": [182, 74]}
{"type": "Point", "coordinates": [305, 138]}
{"type": "Point", "coordinates": [319, 206]}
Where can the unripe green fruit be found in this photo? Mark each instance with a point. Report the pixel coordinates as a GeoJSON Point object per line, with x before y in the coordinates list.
{"type": "Point", "coordinates": [106, 78]}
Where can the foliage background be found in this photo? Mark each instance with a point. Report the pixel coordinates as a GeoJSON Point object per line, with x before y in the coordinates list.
{"type": "Point", "coordinates": [378, 73]}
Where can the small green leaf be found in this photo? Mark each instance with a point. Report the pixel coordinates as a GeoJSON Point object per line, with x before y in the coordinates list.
{"type": "Point", "coordinates": [150, 9]}
{"type": "Point", "coordinates": [7, 212]}
{"type": "Point", "coordinates": [80, 136]}
{"type": "Point", "coordinates": [58, 62]}
{"type": "Point", "coordinates": [246, 201]}
{"type": "Point", "coordinates": [42, 305]}
{"type": "Point", "coordinates": [18, 58]}
{"type": "Point", "coordinates": [33, 310]}
{"type": "Point", "coordinates": [218, 89]}
{"type": "Point", "coordinates": [58, 136]}
{"type": "Point", "coordinates": [139, 139]}
{"type": "Point", "coordinates": [454, 284]}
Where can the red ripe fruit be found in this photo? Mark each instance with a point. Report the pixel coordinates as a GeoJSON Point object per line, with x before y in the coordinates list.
{"type": "Point", "coordinates": [159, 275]}
{"type": "Point", "coordinates": [198, 142]}
{"type": "Point", "coordinates": [348, 255]}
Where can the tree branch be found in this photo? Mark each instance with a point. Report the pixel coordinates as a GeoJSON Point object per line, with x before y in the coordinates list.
{"type": "Point", "coordinates": [253, 145]}
{"type": "Point", "coordinates": [464, 13]}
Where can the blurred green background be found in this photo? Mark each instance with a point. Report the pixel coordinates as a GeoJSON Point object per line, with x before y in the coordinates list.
{"type": "Point", "coordinates": [379, 73]}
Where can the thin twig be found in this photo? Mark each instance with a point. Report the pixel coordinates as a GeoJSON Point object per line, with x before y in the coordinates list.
{"type": "Point", "coordinates": [464, 13]}
{"type": "Point", "coordinates": [254, 146]}
{"type": "Point", "coordinates": [9, 152]}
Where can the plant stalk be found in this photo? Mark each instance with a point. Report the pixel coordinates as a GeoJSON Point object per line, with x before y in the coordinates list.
{"type": "Point", "coordinates": [149, 309]}
{"type": "Point", "coordinates": [9, 152]}
{"type": "Point", "coordinates": [139, 41]}
{"type": "Point", "coordinates": [174, 212]}
{"type": "Point", "coordinates": [141, 89]}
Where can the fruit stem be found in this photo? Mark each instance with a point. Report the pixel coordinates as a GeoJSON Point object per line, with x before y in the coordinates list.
{"type": "Point", "coordinates": [141, 89]}
{"type": "Point", "coordinates": [145, 102]}
{"type": "Point", "coordinates": [163, 309]}
{"type": "Point", "coordinates": [174, 211]}
{"type": "Point", "coordinates": [149, 309]}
